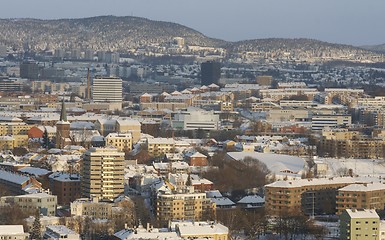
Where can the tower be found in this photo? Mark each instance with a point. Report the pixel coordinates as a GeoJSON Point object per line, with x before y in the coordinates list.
{"type": "Point", "coordinates": [210, 72]}
{"type": "Point", "coordinates": [103, 173]}
{"type": "Point", "coordinates": [62, 128]}
{"type": "Point", "coordinates": [88, 93]}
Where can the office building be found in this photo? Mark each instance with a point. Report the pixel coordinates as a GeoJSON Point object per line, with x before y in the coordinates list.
{"type": "Point", "coordinates": [108, 90]}
{"type": "Point", "coordinates": [210, 72]}
{"type": "Point", "coordinates": [29, 70]}
{"type": "Point", "coordinates": [102, 173]}
{"type": "Point", "coordinates": [359, 224]}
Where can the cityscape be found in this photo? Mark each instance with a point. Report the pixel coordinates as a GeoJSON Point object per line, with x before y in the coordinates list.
{"type": "Point", "coordinates": [122, 127]}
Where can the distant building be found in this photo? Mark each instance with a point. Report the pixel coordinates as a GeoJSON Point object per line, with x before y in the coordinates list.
{"type": "Point", "coordinates": [195, 118]}
{"type": "Point", "coordinates": [108, 90]}
{"type": "Point", "coordinates": [29, 70]}
{"type": "Point", "coordinates": [103, 173]}
{"type": "Point", "coordinates": [360, 224]}
{"type": "Point", "coordinates": [8, 85]}
{"type": "Point", "coordinates": [264, 80]}
{"type": "Point", "coordinates": [210, 72]}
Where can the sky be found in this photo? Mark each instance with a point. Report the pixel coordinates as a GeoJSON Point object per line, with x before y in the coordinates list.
{"type": "Point", "coordinates": [354, 22]}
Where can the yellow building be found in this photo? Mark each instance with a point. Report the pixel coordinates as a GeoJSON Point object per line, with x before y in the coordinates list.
{"type": "Point", "coordinates": [102, 173]}
{"type": "Point", "coordinates": [10, 142]}
{"type": "Point", "coordinates": [360, 196]}
{"type": "Point", "coordinates": [129, 126]}
{"type": "Point", "coordinates": [14, 128]}
{"type": "Point", "coordinates": [304, 195]}
{"type": "Point", "coordinates": [184, 206]}
{"type": "Point", "coordinates": [121, 141]}
{"type": "Point", "coordinates": [359, 224]}
{"type": "Point", "coordinates": [91, 208]}
{"type": "Point", "coordinates": [160, 146]}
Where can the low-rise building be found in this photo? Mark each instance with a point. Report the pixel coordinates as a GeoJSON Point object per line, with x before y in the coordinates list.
{"type": "Point", "coordinates": [121, 141]}
{"type": "Point", "coordinates": [14, 232]}
{"type": "Point", "coordinates": [56, 232]}
{"type": "Point", "coordinates": [360, 224]}
{"type": "Point", "coordinates": [43, 202]}
{"type": "Point", "coordinates": [91, 208]}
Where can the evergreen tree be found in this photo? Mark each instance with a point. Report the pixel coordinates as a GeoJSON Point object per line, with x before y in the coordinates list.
{"type": "Point", "coordinates": [36, 227]}
{"type": "Point", "coordinates": [45, 139]}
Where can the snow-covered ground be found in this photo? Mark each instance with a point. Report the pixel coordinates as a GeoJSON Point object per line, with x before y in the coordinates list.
{"type": "Point", "coordinates": [361, 167]}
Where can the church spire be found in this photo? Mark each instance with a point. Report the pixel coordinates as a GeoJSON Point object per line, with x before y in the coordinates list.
{"type": "Point", "coordinates": [63, 113]}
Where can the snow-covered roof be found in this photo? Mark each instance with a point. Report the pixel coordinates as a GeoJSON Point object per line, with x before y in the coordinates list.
{"type": "Point", "coordinates": [213, 193]}
{"type": "Point", "coordinates": [251, 199]}
{"type": "Point", "coordinates": [34, 171]}
{"type": "Point", "coordinates": [364, 187]}
{"type": "Point", "coordinates": [276, 163]}
{"type": "Point", "coordinates": [82, 125]}
{"type": "Point", "coordinates": [13, 177]}
{"type": "Point", "coordinates": [65, 177]}
{"type": "Point", "coordinates": [11, 229]}
{"type": "Point", "coordinates": [198, 154]}
{"type": "Point", "coordinates": [222, 201]}
{"type": "Point", "coordinates": [141, 233]}
{"type": "Point", "coordinates": [60, 229]}
{"type": "Point", "coordinates": [197, 229]}
{"type": "Point", "coordinates": [362, 213]}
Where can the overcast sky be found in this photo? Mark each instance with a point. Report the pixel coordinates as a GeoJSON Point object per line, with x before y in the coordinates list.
{"type": "Point", "coordinates": [356, 22]}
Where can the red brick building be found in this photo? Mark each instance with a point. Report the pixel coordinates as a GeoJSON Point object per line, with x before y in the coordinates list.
{"type": "Point", "coordinates": [65, 186]}
{"type": "Point", "coordinates": [198, 159]}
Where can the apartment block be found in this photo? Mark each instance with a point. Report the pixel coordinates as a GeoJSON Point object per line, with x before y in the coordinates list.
{"type": "Point", "coordinates": [361, 196]}
{"type": "Point", "coordinates": [306, 196]}
{"type": "Point", "coordinates": [184, 206]}
{"type": "Point", "coordinates": [160, 146]}
{"type": "Point", "coordinates": [359, 224]}
{"type": "Point", "coordinates": [102, 173]}
{"type": "Point", "coordinates": [65, 186]}
{"type": "Point", "coordinates": [121, 141]}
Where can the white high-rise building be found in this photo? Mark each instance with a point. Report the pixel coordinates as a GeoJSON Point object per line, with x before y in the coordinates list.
{"type": "Point", "coordinates": [107, 90]}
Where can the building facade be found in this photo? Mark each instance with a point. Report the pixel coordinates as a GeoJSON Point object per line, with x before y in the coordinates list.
{"type": "Point", "coordinates": [360, 224]}
{"type": "Point", "coordinates": [102, 173]}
